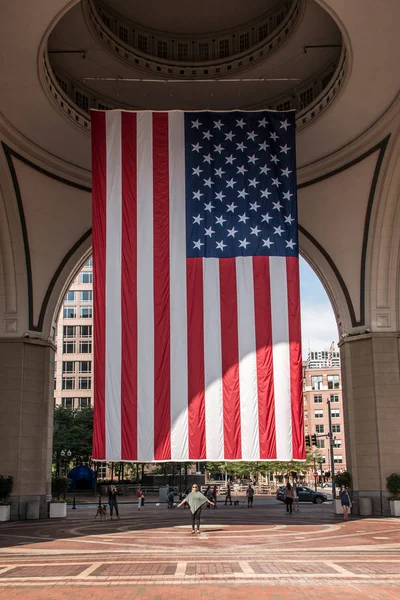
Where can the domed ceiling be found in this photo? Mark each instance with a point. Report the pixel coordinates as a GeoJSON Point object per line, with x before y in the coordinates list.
{"type": "Point", "coordinates": [211, 55]}
{"type": "Point", "coordinates": [189, 17]}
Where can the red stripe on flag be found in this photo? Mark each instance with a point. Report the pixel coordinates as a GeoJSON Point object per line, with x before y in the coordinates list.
{"type": "Point", "coordinates": [265, 377]}
{"type": "Point", "coordinates": [296, 395]}
{"type": "Point", "coordinates": [99, 214]}
{"type": "Point", "coordinates": [196, 384]}
{"type": "Point", "coordinates": [162, 385]}
{"type": "Point", "coordinates": [230, 359]}
{"type": "Point", "coordinates": [129, 288]}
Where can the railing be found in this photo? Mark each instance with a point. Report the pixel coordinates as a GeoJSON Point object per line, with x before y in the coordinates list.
{"type": "Point", "coordinates": [161, 53]}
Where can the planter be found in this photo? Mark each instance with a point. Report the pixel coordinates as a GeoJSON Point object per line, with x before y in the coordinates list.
{"type": "Point", "coordinates": [58, 510]}
{"type": "Point", "coordinates": [339, 507]}
{"type": "Point", "coordinates": [395, 508]}
{"type": "Point", "coordinates": [4, 512]}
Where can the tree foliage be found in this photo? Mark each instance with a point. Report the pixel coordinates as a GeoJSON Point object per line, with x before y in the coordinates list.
{"type": "Point", "coordinates": [73, 431]}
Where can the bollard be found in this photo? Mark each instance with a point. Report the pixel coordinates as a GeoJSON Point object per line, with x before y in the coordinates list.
{"type": "Point", "coordinates": [73, 504]}
{"type": "Point", "coordinates": [99, 500]}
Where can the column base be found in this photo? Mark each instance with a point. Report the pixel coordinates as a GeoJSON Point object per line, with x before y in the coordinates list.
{"type": "Point", "coordinates": [19, 506]}
{"type": "Point", "coordinates": [380, 502]}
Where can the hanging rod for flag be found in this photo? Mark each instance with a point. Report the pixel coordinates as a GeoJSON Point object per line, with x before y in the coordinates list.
{"type": "Point", "coordinates": [139, 80]}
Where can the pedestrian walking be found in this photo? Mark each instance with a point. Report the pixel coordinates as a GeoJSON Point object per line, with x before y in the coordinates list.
{"type": "Point", "coordinates": [250, 496]}
{"type": "Point", "coordinates": [214, 495]}
{"type": "Point", "coordinates": [228, 495]}
{"type": "Point", "coordinates": [209, 495]}
{"type": "Point", "coordinates": [171, 498]}
{"type": "Point", "coordinates": [296, 506]}
{"type": "Point", "coordinates": [289, 498]}
{"type": "Point", "coordinates": [113, 501]}
{"type": "Point", "coordinates": [196, 501]}
{"type": "Point", "coordinates": [139, 497]}
{"type": "Point", "coordinates": [345, 501]}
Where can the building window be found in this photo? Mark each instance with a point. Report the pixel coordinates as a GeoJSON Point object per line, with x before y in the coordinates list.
{"type": "Point", "coordinates": [69, 312]}
{"type": "Point", "coordinates": [322, 459]}
{"type": "Point", "coordinates": [86, 331]}
{"type": "Point", "coordinates": [86, 312]}
{"type": "Point", "coordinates": [142, 43]}
{"type": "Point", "coordinates": [63, 84]}
{"type": "Point", "coordinates": [318, 414]}
{"type": "Point", "coordinates": [123, 34]}
{"type": "Point", "coordinates": [101, 470]}
{"type": "Point", "coordinates": [69, 331]}
{"type": "Point", "coordinates": [306, 97]}
{"type": "Point", "coordinates": [306, 429]}
{"type": "Point", "coordinates": [335, 414]}
{"type": "Point", "coordinates": [319, 429]}
{"type": "Point", "coordinates": [83, 402]}
{"type": "Point", "coordinates": [85, 366]}
{"type": "Point", "coordinates": [86, 277]}
{"type": "Point", "coordinates": [162, 49]}
{"type": "Point", "coordinates": [316, 382]}
{"type": "Point", "coordinates": [183, 52]}
{"type": "Point", "coordinates": [334, 398]}
{"type": "Point", "coordinates": [337, 443]}
{"type": "Point", "coordinates": [204, 51]}
{"type": "Point", "coordinates": [333, 382]}
{"type": "Point", "coordinates": [335, 428]}
{"type": "Point", "coordinates": [280, 18]}
{"type": "Point", "coordinates": [89, 264]}
{"type": "Point", "coordinates": [85, 383]}
{"type": "Point", "coordinates": [223, 48]}
{"type": "Point", "coordinates": [106, 20]}
{"type": "Point", "coordinates": [82, 100]}
{"type": "Point", "coordinates": [68, 383]}
{"type": "Point", "coordinates": [244, 42]}
{"type": "Point", "coordinates": [318, 399]}
{"type": "Point", "coordinates": [68, 366]}
{"type": "Point", "coordinates": [338, 459]}
{"type": "Point", "coordinates": [320, 443]}
{"type": "Point", "coordinates": [86, 296]}
{"type": "Point", "coordinates": [305, 414]}
{"type": "Point", "coordinates": [262, 32]}
{"type": "Point", "coordinates": [286, 105]}
{"type": "Point", "coordinates": [85, 347]}
{"type": "Point", "coordinates": [67, 402]}
{"type": "Point", "coordinates": [68, 347]}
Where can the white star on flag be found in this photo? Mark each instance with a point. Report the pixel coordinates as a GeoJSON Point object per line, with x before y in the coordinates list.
{"type": "Point", "coordinates": [198, 244]}
{"type": "Point", "coordinates": [263, 122]}
{"type": "Point", "coordinates": [275, 181]}
{"type": "Point", "coordinates": [289, 219]}
{"type": "Point", "coordinates": [219, 172]}
{"type": "Point", "coordinates": [251, 135]}
{"type": "Point", "coordinates": [232, 232]}
{"type": "Point", "coordinates": [278, 230]}
{"type": "Point", "coordinates": [209, 207]}
{"type": "Point", "coordinates": [198, 219]}
{"type": "Point", "coordinates": [196, 124]}
{"type": "Point", "coordinates": [255, 231]}
{"type": "Point", "coordinates": [242, 194]}
{"type": "Point", "coordinates": [220, 220]}
{"type": "Point", "coordinates": [274, 136]}
{"type": "Point", "coordinates": [265, 193]}
{"type": "Point", "coordinates": [267, 243]}
{"type": "Point", "coordinates": [285, 149]}
{"type": "Point", "coordinates": [274, 159]}
{"type": "Point", "coordinates": [208, 182]}
{"type": "Point", "coordinates": [264, 170]}
{"type": "Point", "coordinates": [231, 207]}
{"type": "Point", "coordinates": [287, 195]}
{"type": "Point", "coordinates": [253, 159]}
{"type": "Point", "coordinates": [197, 171]}
{"type": "Point", "coordinates": [197, 195]}
{"type": "Point", "coordinates": [209, 231]}
{"type": "Point", "coordinates": [266, 218]}
{"type": "Point", "coordinates": [241, 146]}
{"type": "Point", "coordinates": [219, 196]}
{"type": "Point", "coordinates": [218, 124]}
{"type": "Point", "coordinates": [196, 147]}
{"type": "Point", "coordinates": [221, 245]}
{"type": "Point", "coordinates": [277, 205]}
{"type": "Point", "coordinates": [240, 123]}
{"type": "Point", "coordinates": [243, 218]}
{"type": "Point", "coordinates": [242, 170]}
{"type": "Point", "coordinates": [285, 172]}
{"type": "Point", "coordinates": [207, 135]}
{"type": "Point", "coordinates": [263, 146]}
{"type": "Point", "coordinates": [207, 158]}
{"type": "Point", "coordinates": [243, 243]}
{"type": "Point", "coordinates": [229, 136]}
{"type": "Point", "coordinates": [290, 244]}
{"type": "Point", "coordinates": [253, 182]}
{"type": "Point", "coordinates": [218, 148]}
{"type": "Point", "coordinates": [284, 125]}
{"type": "Point", "coordinates": [254, 206]}
{"type": "Point", "coordinates": [230, 159]}
{"type": "Point", "coordinates": [230, 183]}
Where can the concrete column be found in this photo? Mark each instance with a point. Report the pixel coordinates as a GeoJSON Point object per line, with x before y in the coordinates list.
{"type": "Point", "coordinates": [371, 400]}
{"type": "Point", "coordinates": [26, 421]}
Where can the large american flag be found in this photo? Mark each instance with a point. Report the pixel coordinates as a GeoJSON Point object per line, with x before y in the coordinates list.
{"type": "Point", "coordinates": [196, 287]}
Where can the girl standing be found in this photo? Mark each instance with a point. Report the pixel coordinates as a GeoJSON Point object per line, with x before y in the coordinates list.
{"type": "Point", "coordinates": [196, 501]}
{"type": "Point", "coordinates": [345, 501]}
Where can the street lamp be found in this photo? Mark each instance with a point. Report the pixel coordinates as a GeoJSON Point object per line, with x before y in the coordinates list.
{"type": "Point", "coordinates": [63, 454]}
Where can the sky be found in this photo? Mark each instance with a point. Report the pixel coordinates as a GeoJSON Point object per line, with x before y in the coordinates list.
{"type": "Point", "coordinates": [318, 323]}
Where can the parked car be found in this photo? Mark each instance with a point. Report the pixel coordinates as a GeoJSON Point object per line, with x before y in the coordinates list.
{"type": "Point", "coordinates": [328, 484]}
{"type": "Point", "coordinates": [305, 494]}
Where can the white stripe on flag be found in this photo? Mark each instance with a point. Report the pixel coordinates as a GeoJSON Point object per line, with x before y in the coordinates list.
{"type": "Point", "coordinates": [178, 307]}
{"type": "Point", "coordinates": [247, 359]}
{"type": "Point", "coordinates": [113, 286]}
{"type": "Point", "coordinates": [281, 357]}
{"type": "Point", "coordinates": [145, 295]}
{"type": "Point", "coordinates": [213, 361]}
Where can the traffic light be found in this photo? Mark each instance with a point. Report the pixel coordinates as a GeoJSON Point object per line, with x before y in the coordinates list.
{"type": "Point", "coordinates": [308, 441]}
{"type": "Point", "coordinates": [314, 439]}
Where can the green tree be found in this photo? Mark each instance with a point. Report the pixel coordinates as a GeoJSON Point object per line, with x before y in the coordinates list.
{"type": "Point", "coordinates": [73, 431]}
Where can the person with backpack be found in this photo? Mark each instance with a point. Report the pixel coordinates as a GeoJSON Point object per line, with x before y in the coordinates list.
{"type": "Point", "coordinates": [250, 496]}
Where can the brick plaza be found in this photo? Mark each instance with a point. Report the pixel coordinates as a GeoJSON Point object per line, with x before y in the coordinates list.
{"type": "Point", "coordinates": [240, 553]}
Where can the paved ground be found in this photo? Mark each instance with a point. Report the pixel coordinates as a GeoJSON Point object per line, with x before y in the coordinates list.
{"type": "Point", "coordinates": [241, 553]}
